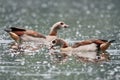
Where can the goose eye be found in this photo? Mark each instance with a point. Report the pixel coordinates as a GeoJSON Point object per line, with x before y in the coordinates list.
{"type": "Point", "coordinates": [61, 23]}
{"type": "Point", "coordinates": [54, 42]}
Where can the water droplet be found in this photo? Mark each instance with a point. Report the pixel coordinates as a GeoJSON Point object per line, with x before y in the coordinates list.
{"type": "Point", "coordinates": [88, 12]}
{"type": "Point", "coordinates": [45, 62]}
{"type": "Point", "coordinates": [44, 5]}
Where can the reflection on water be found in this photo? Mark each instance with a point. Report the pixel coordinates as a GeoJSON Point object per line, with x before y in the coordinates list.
{"type": "Point", "coordinates": [87, 19]}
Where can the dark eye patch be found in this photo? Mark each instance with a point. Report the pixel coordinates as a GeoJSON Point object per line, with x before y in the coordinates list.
{"type": "Point", "coordinates": [61, 23]}
{"type": "Point", "coordinates": [54, 41]}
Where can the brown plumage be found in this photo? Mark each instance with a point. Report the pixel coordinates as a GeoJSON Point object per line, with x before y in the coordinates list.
{"type": "Point", "coordinates": [20, 32]}
{"type": "Point", "coordinates": [101, 44]}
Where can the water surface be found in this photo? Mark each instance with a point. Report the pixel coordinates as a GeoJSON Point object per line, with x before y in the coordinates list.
{"type": "Point", "coordinates": [87, 19]}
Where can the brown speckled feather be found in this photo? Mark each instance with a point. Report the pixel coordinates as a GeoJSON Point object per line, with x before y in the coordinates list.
{"type": "Point", "coordinates": [85, 42]}
{"type": "Point", "coordinates": [99, 41]}
{"type": "Point", "coordinates": [34, 34]}
{"type": "Point", "coordinates": [81, 43]}
{"type": "Point", "coordinates": [20, 32]}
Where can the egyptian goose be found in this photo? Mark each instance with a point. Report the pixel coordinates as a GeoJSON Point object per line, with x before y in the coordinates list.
{"type": "Point", "coordinates": [64, 46]}
{"type": "Point", "coordinates": [20, 35]}
{"type": "Point", "coordinates": [83, 49]}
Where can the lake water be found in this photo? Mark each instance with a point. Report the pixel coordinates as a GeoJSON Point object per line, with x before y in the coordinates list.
{"type": "Point", "coordinates": [88, 19]}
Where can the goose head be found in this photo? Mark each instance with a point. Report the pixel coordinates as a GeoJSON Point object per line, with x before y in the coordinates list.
{"type": "Point", "coordinates": [59, 42]}
{"type": "Point", "coordinates": [57, 26]}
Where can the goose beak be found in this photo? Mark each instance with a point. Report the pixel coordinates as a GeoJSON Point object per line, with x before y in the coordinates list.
{"type": "Point", "coordinates": [66, 26]}
{"type": "Point", "coordinates": [51, 48]}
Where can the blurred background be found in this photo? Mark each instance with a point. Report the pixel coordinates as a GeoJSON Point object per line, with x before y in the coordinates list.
{"type": "Point", "coordinates": [88, 19]}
